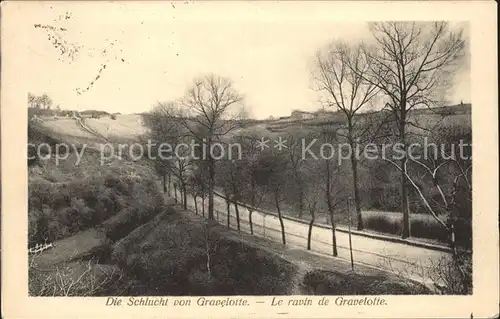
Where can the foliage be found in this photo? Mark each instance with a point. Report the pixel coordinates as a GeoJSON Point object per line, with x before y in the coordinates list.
{"type": "Point", "coordinates": [168, 256]}
{"type": "Point", "coordinates": [58, 210]}
{"type": "Point", "coordinates": [421, 225]}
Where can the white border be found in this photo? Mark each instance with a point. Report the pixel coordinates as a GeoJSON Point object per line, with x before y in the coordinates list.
{"type": "Point", "coordinates": [483, 302]}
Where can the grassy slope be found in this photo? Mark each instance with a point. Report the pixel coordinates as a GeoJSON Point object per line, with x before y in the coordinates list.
{"type": "Point", "coordinates": [71, 203]}
{"type": "Point", "coordinates": [124, 127]}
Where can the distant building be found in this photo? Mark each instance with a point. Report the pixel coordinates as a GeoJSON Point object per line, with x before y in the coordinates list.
{"type": "Point", "coordinates": [301, 115]}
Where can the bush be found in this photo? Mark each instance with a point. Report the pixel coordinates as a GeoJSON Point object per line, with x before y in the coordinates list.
{"type": "Point", "coordinates": [79, 278]}
{"type": "Point", "coordinates": [58, 210]}
{"type": "Point", "coordinates": [119, 225]}
{"type": "Point", "coordinates": [424, 228]}
{"type": "Point", "coordinates": [421, 225]}
{"type": "Point", "coordinates": [382, 223]}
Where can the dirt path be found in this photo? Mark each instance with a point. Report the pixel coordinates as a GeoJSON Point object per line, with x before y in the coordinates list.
{"type": "Point", "coordinates": [66, 249]}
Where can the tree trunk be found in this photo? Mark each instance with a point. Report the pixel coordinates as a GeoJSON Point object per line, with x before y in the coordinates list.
{"type": "Point", "coordinates": [404, 206]}
{"type": "Point", "coordinates": [237, 214]}
{"type": "Point", "coordinates": [309, 234]}
{"type": "Point", "coordinates": [211, 189]}
{"type": "Point", "coordinates": [334, 236]}
{"type": "Point", "coordinates": [276, 201]}
{"type": "Point", "coordinates": [169, 185]}
{"type": "Point", "coordinates": [195, 205]}
{"type": "Point", "coordinates": [184, 191]}
{"type": "Point", "coordinates": [207, 240]}
{"type": "Point", "coordinates": [228, 208]}
{"type": "Point", "coordinates": [175, 192]}
{"type": "Point", "coordinates": [298, 182]}
{"type": "Point", "coordinates": [330, 207]}
{"type": "Point", "coordinates": [403, 182]}
{"type": "Point", "coordinates": [301, 202]}
{"type": "Point", "coordinates": [203, 206]}
{"type": "Point", "coordinates": [165, 183]}
{"type": "Point", "coordinates": [357, 199]}
{"type": "Point", "coordinates": [250, 212]}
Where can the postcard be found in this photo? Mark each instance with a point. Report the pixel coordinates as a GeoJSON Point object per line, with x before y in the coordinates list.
{"type": "Point", "coordinates": [256, 159]}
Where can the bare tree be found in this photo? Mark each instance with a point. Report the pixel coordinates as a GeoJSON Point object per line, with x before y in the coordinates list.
{"type": "Point", "coordinates": [209, 111]}
{"type": "Point", "coordinates": [175, 192]}
{"type": "Point", "coordinates": [227, 198]}
{"type": "Point", "coordinates": [254, 192]}
{"type": "Point", "coordinates": [193, 190]}
{"type": "Point", "coordinates": [411, 63]}
{"type": "Point", "coordinates": [162, 129]}
{"type": "Point", "coordinates": [272, 175]}
{"type": "Point", "coordinates": [340, 74]}
{"type": "Point", "coordinates": [231, 174]}
{"type": "Point", "coordinates": [197, 181]}
{"type": "Point", "coordinates": [165, 129]}
{"type": "Point", "coordinates": [293, 152]}
{"type": "Point", "coordinates": [449, 175]}
{"type": "Point", "coordinates": [212, 242]}
{"type": "Point", "coordinates": [333, 190]}
{"type": "Point", "coordinates": [45, 102]}
{"type": "Point", "coordinates": [31, 100]}
{"type": "Point", "coordinates": [181, 170]}
{"type": "Point", "coordinates": [313, 199]}
{"type": "Point", "coordinates": [85, 279]}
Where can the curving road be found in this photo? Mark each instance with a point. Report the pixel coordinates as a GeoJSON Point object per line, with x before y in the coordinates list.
{"type": "Point", "coordinates": [403, 259]}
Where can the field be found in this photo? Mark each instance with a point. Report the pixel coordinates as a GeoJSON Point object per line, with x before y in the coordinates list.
{"type": "Point", "coordinates": [124, 127]}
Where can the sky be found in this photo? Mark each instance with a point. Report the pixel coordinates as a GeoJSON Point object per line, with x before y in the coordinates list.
{"type": "Point", "coordinates": [165, 46]}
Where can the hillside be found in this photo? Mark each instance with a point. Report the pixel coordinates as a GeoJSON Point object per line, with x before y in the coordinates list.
{"type": "Point", "coordinates": [113, 233]}
{"type": "Point", "coordinates": [124, 127]}
{"type": "Point", "coordinates": [131, 126]}
{"type": "Point", "coordinates": [378, 187]}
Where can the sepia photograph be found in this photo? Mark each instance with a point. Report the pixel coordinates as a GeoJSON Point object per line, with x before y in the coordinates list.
{"type": "Point", "coordinates": [172, 154]}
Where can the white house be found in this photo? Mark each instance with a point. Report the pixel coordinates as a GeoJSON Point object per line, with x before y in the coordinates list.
{"type": "Point", "coordinates": [301, 115]}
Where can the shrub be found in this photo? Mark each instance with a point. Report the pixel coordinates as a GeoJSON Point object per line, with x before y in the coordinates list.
{"type": "Point", "coordinates": [425, 228]}
{"type": "Point", "coordinates": [382, 223]}
{"type": "Point", "coordinates": [80, 278]}
{"type": "Point", "coordinates": [453, 273]}
{"type": "Point", "coordinates": [421, 225]}
{"type": "Point", "coordinates": [60, 210]}
{"type": "Point", "coordinates": [38, 226]}
{"type": "Point", "coordinates": [119, 225]}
